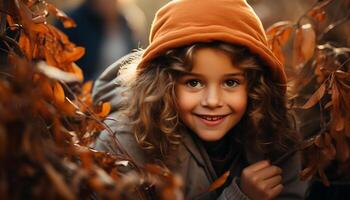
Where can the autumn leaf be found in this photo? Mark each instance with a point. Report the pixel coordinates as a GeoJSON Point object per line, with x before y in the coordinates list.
{"type": "Point", "coordinates": [304, 44]}
{"type": "Point", "coordinates": [25, 44]}
{"type": "Point", "coordinates": [106, 108]}
{"type": "Point", "coordinates": [323, 177]}
{"type": "Point", "coordinates": [277, 27]}
{"type": "Point", "coordinates": [76, 70]}
{"type": "Point", "coordinates": [67, 22]}
{"type": "Point", "coordinates": [315, 98]}
{"type": "Point", "coordinates": [342, 147]}
{"type": "Point", "coordinates": [219, 182]}
{"type": "Point", "coordinates": [87, 88]}
{"type": "Point", "coordinates": [59, 93]}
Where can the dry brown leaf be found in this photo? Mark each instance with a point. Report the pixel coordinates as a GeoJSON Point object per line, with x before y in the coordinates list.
{"type": "Point", "coordinates": [309, 41]}
{"type": "Point", "coordinates": [307, 172]}
{"type": "Point", "coordinates": [342, 147]}
{"type": "Point", "coordinates": [304, 44]}
{"type": "Point", "coordinates": [324, 178]}
{"type": "Point", "coordinates": [315, 97]}
{"type": "Point", "coordinates": [329, 152]}
{"type": "Point", "coordinates": [340, 124]}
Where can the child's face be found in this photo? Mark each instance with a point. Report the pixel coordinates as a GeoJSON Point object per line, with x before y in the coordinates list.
{"type": "Point", "coordinates": [213, 97]}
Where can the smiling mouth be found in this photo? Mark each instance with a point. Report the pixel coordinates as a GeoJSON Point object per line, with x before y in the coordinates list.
{"type": "Point", "coordinates": [212, 117]}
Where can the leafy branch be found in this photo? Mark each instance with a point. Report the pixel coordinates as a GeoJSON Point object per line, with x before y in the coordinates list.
{"type": "Point", "coordinates": [322, 69]}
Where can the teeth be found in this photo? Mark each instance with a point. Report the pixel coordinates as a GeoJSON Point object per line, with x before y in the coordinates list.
{"type": "Point", "coordinates": [212, 118]}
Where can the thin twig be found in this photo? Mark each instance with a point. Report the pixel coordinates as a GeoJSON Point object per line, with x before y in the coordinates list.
{"type": "Point", "coordinates": [107, 128]}
{"type": "Point", "coordinates": [332, 26]}
{"type": "Point", "coordinates": [13, 44]}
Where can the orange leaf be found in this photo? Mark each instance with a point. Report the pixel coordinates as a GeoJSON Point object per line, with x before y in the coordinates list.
{"type": "Point", "coordinates": [87, 88]}
{"type": "Point", "coordinates": [276, 27]}
{"type": "Point", "coordinates": [11, 23]}
{"type": "Point", "coordinates": [59, 35]}
{"type": "Point", "coordinates": [59, 93]}
{"type": "Point", "coordinates": [340, 124]}
{"type": "Point", "coordinates": [25, 45]}
{"type": "Point", "coordinates": [67, 108]}
{"type": "Point", "coordinates": [50, 58]}
{"type": "Point", "coordinates": [219, 182]}
{"type": "Point", "coordinates": [77, 71]}
{"type": "Point", "coordinates": [285, 34]}
{"type": "Point", "coordinates": [316, 97]}
{"type": "Point", "coordinates": [73, 54]}
{"type": "Point", "coordinates": [46, 88]}
{"type": "Point", "coordinates": [321, 16]}
{"type": "Point", "coordinates": [106, 108]}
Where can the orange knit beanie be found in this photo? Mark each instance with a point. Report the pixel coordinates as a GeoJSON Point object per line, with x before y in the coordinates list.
{"type": "Point", "coordinates": [184, 22]}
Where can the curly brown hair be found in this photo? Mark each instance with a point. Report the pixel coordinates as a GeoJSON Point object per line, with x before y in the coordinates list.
{"type": "Point", "coordinates": [152, 108]}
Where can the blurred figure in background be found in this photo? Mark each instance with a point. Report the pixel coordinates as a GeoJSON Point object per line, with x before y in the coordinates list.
{"type": "Point", "coordinates": [105, 33]}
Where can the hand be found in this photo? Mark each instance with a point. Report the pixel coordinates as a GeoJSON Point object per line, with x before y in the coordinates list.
{"type": "Point", "coordinates": [261, 181]}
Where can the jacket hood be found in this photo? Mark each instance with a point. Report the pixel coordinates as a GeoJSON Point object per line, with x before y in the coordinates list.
{"type": "Point", "coordinates": [184, 22]}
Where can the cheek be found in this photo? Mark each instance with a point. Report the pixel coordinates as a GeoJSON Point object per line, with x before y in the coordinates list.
{"type": "Point", "coordinates": [239, 102]}
{"type": "Point", "coordinates": [186, 101]}
{"type": "Point", "coordinates": [183, 101]}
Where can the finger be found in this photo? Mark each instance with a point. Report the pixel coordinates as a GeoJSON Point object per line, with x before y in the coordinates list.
{"type": "Point", "coordinates": [273, 181]}
{"type": "Point", "coordinates": [268, 172]}
{"type": "Point", "coordinates": [275, 191]}
{"type": "Point", "coordinates": [258, 166]}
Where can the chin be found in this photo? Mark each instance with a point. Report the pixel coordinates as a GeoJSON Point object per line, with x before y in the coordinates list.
{"type": "Point", "coordinates": [210, 137]}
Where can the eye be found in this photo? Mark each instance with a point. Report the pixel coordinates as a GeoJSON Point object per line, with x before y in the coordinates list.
{"type": "Point", "coordinates": [194, 83]}
{"type": "Point", "coordinates": [231, 83]}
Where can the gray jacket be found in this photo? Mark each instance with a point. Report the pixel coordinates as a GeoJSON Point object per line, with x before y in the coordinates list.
{"type": "Point", "coordinates": [194, 166]}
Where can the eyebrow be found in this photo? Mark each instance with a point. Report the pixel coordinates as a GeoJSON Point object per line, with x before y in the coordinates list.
{"type": "Point", "coordinates": [226, 75]}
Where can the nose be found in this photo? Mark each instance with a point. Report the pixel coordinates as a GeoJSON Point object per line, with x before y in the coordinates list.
{"type": "Point", "coordinates": [212, 98]}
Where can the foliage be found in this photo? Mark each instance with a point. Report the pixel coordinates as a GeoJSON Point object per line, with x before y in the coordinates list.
{"type": "Point", "coordinates": [319, 77]}
{"type": "Point", "coordinates": [48, 120]}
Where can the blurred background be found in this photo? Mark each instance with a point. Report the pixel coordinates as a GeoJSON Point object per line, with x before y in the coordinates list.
{"type": "Point", "coordinates": [109, 29]}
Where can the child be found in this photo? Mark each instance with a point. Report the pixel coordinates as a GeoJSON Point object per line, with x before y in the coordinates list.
{"type": "Point", "coordinates": [207, 96]}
